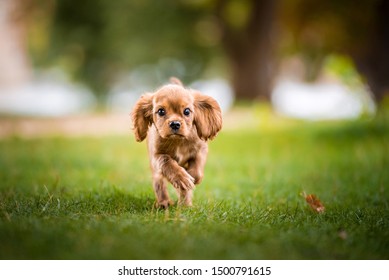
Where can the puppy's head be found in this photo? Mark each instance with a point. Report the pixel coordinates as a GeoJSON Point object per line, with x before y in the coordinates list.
{"type": "Point", "coordinates": [177, 113]}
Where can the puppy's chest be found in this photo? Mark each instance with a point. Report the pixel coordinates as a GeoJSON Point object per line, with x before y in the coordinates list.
{"type": "Point", "coordinates": [184, 153]}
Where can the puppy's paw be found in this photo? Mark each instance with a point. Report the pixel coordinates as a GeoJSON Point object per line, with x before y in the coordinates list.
{"type": "Point", "coordinates": [164, 204]}
{"type": "Point", "coordinates": [184, 181]}
{"type": "Point", "coordinates": [185, 201]}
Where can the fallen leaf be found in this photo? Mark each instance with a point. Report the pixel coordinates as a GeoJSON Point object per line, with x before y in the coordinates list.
{"type": "Point", "coordinates": [315, 203]}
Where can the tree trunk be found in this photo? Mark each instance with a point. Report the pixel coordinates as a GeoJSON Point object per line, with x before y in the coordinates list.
{"type": "Point", "coordinates": [372, 56]}
{"type": "Point", "coordinates": [250, 50]}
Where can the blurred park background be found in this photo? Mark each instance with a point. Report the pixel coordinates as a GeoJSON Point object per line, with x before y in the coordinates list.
{"type": "Point", "coordinates": [308, 59]}
{"type": "Point", "coordinates": [304, 90]}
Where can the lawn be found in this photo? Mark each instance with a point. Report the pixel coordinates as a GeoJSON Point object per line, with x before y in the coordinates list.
{"type": "Point", "coordinates": [91, 197]}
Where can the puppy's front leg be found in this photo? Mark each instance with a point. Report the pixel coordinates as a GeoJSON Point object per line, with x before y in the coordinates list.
{"type": "Point", "coordinates": [196, 170]}
{"type": "Point", "coordinates": [185, 197]}
{"type": "Point", "coordinates": [174, 173]}
{"type": "Point", "coordinates": [196, 164]}
{"type": "Point", "coordinates": [159, 184]}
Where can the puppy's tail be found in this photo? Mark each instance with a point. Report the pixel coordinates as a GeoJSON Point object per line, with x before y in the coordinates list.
{"type": "Point", "coordinates": [176, 81]}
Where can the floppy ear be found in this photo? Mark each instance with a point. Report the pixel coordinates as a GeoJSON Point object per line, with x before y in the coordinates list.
{"type": "Point", "coordinates": [142, 116]}
{"type": "Point", "coordinates": [207, 116]}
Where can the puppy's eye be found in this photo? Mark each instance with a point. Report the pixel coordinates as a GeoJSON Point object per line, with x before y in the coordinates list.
{"type": "Point", "coordinates": [161, 112]}
{"type": "Point", "coordinates": [187, 112]}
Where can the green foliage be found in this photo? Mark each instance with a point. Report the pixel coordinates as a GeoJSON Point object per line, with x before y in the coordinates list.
{"type": "Point", "coordinates": [344, 68]}
{"type": "Point", "coordinates": [91, 198]}
{"type": "Point", "coordinates": [95, 41]}
{"type": "Point", "coordinates": [327, 25]}
{"type": "Point", "coordinates": [315, 29]}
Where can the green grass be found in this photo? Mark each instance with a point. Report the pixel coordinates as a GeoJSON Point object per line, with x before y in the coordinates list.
{"type": "Point", "coordinates": [91, 198]}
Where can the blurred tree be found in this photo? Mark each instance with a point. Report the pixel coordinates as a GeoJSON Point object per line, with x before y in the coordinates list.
{"type": "Point", "coordinates": [97, 40]}
{"type": "Point", "coordinates": [359, 29]}
{"type": "Point", "coordinates": [249, 40]}
{"type": "Point", "coordinates": [372, 55]}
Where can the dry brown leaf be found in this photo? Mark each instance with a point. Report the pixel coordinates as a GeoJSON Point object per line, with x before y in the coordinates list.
{"type": "Point", "coordinates": [314, 202]}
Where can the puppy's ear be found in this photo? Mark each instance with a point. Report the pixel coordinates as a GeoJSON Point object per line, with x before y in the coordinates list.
{"type": "Point", "coordinates": [207, 116]}
{"type": "Point", "coordinates": [142, 116]}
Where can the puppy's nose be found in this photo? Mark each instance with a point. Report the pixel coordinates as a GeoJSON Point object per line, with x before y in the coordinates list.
{"type": "Point", "coordinates": [175, 125]}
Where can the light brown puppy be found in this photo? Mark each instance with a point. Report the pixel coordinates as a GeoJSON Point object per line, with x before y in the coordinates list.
{"type": "Point", "coordinates": [177, 122]}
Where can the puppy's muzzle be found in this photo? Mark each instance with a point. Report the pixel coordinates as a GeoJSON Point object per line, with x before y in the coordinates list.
{"type": "Point", "coordinates": [175, 125]}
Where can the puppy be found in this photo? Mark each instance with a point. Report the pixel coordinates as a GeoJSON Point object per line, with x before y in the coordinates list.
{"type": "Point", "coordinates": [177, 122]}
